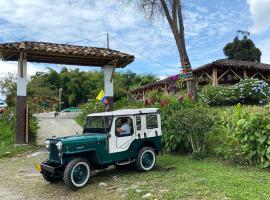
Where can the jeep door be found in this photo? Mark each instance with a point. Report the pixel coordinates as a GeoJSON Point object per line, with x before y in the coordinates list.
{"type": "Point", "coordinates": [120, 141]}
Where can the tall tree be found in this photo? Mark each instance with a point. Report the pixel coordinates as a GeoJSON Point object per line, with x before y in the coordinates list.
{"type": "Point", "coordinates": [172, 9]}
{"type": "Point", "coordinates": [242, 49]}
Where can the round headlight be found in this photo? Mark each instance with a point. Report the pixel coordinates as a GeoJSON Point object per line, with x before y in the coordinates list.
{"type": "Point", "coordinates": [59, 145]}
{"type": "Point", "coordinates": [47, 144]}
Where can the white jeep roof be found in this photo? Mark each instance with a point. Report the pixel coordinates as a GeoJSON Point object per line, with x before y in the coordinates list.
{"type": "Point", "coordinates": [126, 112]}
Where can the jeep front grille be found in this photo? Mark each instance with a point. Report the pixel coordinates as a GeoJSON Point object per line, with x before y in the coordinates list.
{"type": "Point", "coordinates": [54, 152]}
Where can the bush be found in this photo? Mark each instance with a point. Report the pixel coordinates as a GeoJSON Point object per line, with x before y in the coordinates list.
{"type": "Point", "coordinates": [9, 119]}
{"type": "Point", "coordinates": [186, 128]}
{"type": "Point", "coordinates": [246, 136]}
{"type": "Point", "coordinates": [247, 91]}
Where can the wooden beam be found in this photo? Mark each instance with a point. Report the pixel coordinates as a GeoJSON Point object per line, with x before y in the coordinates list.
{"type": "Point", "coordinates": [208, 76]}
{"type": "Point", "coordinates": [236, 74]}
{"type": "Point", "coordinates": [21, 64]}
{"type": "Point", "coordinates": [113, 72]}
{"type": "Point", "coordinates": [26, 124]}
{"type": "Point", "coordinates": [261, 76]}
{"type": "Point", "coordinates": [214, 76]}
{"type": "Point", "coordinates": [224, 74]}
{"type": "Point", "coordinates": [1, 56]}
{"type": "Point", "coordinates": [245, 74]}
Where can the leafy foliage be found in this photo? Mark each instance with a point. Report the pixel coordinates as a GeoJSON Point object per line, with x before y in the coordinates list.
{"type": "Point", "coordinates": [186, 129]}
{"type": "Point", "coordinates": [247, 136]}
{"type": "Point", "coordinates": [78, 86]}
{"type": "Point", "coordinates": [8, 89]}
{"type": "Point", "coordinates": [243, 49]}
{"type": "Point", "coordinates": [9, 119]}
{"type": "Point", "coordinates": [247, 91]}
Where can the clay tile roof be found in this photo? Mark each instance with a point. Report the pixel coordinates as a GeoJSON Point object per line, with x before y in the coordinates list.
{"type": "Point", "coordinates": [227, 63]}
{"type": "Point", "coordinates": [162, 82]}
{"type": "Point", "coordinates": [44, 52]}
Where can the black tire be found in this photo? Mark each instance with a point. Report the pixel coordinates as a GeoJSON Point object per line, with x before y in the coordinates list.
{"type": "Point", "coordinates": [70, 172]}
{"type": "Point", "coordinates": [50, 178]}
{"type": "Point", "coordinates": [148, 152]}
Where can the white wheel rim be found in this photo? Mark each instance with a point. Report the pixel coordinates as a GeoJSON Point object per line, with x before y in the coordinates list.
{"type": "Point", "coordinates": [153, 163]}
{"type": "Point", "coordinates": [87, 177]}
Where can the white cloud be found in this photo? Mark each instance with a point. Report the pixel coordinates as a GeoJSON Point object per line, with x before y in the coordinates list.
{"type": "Point", "coordinates": [264, 46]}
{"type": "Point", "coordinates": [260, 14]}
{"type": "Point", "coordinates": [12, 67]}
{"type": "Point", "coordinates": [61, 21]}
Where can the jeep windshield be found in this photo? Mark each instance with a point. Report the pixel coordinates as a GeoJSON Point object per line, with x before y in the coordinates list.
{"type": "Point", "coordinates": [97, 124]}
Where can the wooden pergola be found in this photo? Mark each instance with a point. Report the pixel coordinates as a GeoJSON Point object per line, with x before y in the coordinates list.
{"type": "Point", "coordinates": [43, 52]}
{"type": "Point", "coordinates": [162, 85]}
{"type": "Point", "coordinates": [219, 72]}
{"type": "Point", "coordinates": [229, 72]}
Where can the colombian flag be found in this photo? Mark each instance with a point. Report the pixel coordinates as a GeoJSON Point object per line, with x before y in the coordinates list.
{"type": "Point", "coordinates": [101, 96]}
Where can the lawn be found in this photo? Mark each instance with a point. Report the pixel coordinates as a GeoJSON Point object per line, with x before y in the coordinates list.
{"type": "Point", "coordinates": [175, 177]}
{"type": "Point", "coordinates": [207, 179]}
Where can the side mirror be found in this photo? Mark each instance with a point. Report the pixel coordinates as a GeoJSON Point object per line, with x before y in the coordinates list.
{"type": "Point", "coordinates": [109, 135]}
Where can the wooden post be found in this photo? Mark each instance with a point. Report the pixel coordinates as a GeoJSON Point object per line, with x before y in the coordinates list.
{"type": "Point", "coordinates": [245, 74]}
{"type": "Point", "coordinates": [214, 76]}
{"type": "Point", "coordinates": [21, 100]}
{"type": "Point", "coordinates": [26, 124]}
{"type": "Point", "coordinates": [143, 95]}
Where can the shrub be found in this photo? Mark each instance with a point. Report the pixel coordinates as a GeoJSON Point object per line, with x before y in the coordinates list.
{"type": "Point", "coordinates": [9, 119]}
{"type": "Point", "coordinates": [247, 91]}
{"type": "Point", "coordinates": [172, 139]}
{"type": "Point", "coordinates": [186, 128]}
{"type": "Point", "coordinates": [246, 139]}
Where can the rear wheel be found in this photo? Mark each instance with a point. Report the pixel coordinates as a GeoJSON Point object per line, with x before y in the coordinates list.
{"type": "Point", "coordinates": [77, 173]}
{"type": "Point", "coordinates": [146, 159]}
{"type": "Point", "coordinates": [50, 178]}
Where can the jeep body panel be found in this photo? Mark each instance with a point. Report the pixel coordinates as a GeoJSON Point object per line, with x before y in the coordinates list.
{"type": "Point", "coordinates": [104, 147]}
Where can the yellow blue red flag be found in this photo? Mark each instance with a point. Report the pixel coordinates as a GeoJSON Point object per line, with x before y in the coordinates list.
{"type": "Point", "coordinates": [101, 96]}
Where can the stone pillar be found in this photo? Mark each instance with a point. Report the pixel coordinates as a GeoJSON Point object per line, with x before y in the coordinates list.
{"type": "Point", "coordinates": [21, 102]}
{"type": "Point", "coordinates": [108, 84]}
{"type": "Point", "coordinates": [214, 76]}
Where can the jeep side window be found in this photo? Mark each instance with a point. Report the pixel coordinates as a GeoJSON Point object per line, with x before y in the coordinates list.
{"type": "Point", "coordinates": [123, 126]}
{"type": "Point", "coordinates": [138, 123]}
{"type": "Point", "coordinates": [151, 121]}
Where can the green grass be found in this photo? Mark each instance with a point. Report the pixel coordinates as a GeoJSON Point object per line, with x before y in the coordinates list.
{"type": "Point", "coordinates": [175, 177]}
{"type": "Point", "coordinates": [7, 141]}
{"type": "Point", "coordinates": [180, 177]}
{"type": "Point", "coordinates": [79, 120]}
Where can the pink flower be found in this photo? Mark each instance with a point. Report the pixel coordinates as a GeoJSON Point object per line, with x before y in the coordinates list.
{"type": "Point", "coordinates": [181, 99]}
{"type": "Point", "coordinates": [190, 95]}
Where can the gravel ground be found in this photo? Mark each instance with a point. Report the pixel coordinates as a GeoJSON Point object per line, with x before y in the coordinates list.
{"type": "Point", "coordinates": [50, 126]}
{"type": "Point", "coordinates": [19, 180]}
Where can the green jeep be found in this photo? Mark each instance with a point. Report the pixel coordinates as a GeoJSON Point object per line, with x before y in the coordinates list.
{"type": "Point", "coordinates": [120, 138]}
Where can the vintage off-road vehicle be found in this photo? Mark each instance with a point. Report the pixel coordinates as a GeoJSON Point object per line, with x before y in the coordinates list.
{"type": "Point", "coordinates": [120, 138]}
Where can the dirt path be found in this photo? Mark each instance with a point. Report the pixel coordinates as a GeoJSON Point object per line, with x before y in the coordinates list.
{"type": "Point", "coordinates": [50, 126]}
{"type": "Point", "coordinates": [19, 181]}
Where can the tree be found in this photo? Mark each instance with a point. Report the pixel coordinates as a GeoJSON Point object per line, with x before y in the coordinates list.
{"type": "Point", "coordinates": [8, 89]}
{"type": "Point", "coordinates": [243, 49]}
{"type": "Point", "coordinates": [172, 9]}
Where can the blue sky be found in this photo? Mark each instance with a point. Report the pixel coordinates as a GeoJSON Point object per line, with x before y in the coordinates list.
{"type": "Point", "coordinates": [209, 25]}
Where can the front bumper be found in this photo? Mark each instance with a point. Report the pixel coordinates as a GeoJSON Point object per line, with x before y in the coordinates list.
{"type": "Point", "coordinates": [50, 168]}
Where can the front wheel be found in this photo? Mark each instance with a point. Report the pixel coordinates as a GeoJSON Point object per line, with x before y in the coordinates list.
{"type": "Point", "coordinates": [146, 159]}
{"type": "Point", "coordinates": [77, 173]}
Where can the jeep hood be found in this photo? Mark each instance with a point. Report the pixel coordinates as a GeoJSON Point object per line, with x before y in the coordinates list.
{"type": "Point", "coordinates": [88, 137]}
